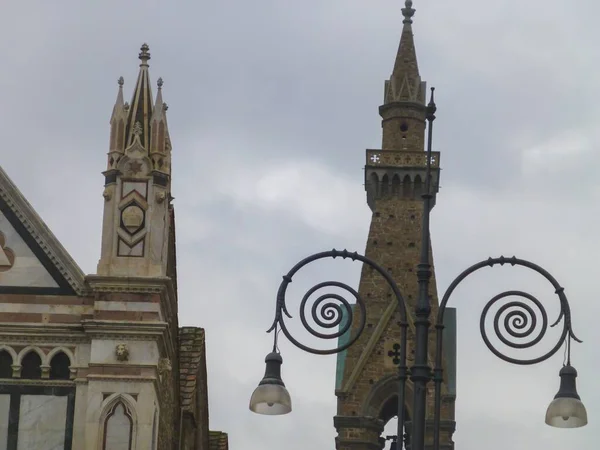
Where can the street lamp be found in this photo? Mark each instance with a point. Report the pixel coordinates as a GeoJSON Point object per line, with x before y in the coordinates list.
{"type": "Point", "coordinates": [519, 321]}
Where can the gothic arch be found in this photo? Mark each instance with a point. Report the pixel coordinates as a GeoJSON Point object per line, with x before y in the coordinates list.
{"type": "Point", "coordinates": [396, 184]}
{"type": "Point", "coordinates": [56, 350]}
{"type": "Point", "coordinates": [60, 366]}
{"type": "Point", "coordinates": [28, 349]}
{"type": "Point", "coordinates": [377, 403]}
{"type": "Point", "coordinates": [385, 185]}
{"type": "Point", "coordinates": [7, 360]}
{"type": "Point", "coordinates": [406, 186]}
{"type": "Point", "coordinates": [418, 186]}
{"type": "Point", "coordinates": [108, 408]}
{"type": "Point", "coordinates": [10, 351]}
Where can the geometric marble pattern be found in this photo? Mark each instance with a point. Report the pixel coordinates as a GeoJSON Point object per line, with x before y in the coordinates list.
{"type": "Point", "coordinates": [18, 264]}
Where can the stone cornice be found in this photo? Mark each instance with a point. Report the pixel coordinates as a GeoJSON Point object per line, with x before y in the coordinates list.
{"type": "Point", "coordinates": [133, 285]}
{"type": "Point", "coordinates": [110, 329]}
{"type": "Point", "coordinates": [37, 332]}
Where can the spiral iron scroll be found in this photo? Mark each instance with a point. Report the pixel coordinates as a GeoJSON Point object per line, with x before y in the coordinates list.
{"type": "Point", "coordinates": [515, 322]}
{"type": "Point", "coordinates": [327, 311]}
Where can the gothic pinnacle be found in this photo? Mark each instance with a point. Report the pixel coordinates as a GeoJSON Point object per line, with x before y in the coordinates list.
{"type": "Point", "coordinates": [408, 12]}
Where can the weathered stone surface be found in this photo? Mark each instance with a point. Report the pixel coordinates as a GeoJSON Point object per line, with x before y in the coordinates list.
{"type": "Point", "coordinates": [367, 397]}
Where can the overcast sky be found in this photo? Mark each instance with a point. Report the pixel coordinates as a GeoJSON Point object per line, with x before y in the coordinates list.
{"type": "Point", "coordinates": [272, 105]}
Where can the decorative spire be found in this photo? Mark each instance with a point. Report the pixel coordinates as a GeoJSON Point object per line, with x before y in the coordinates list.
{"type": "Point", "coordinates": [408, 12]}
{"type": "Point", "coordinates": [405, 82]}
{"type": "Point", "coordinates": [141, 107]}
{"type": "Point", "coordinates": [119, 105]}
{"type": "Point", "coordinates": [160, 142]}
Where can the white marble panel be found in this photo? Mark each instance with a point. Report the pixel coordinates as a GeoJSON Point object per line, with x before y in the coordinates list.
{"type": "Point", "coordinates": [4, 409]}
{"type": "Point", "coordinates": [42, 422]}
{"type": "Point", "coordinates": [140, 186]}
{"type": "Point", "coordinates": [118, 430]}
{"type": "Point", "coordinates": [26, 270]}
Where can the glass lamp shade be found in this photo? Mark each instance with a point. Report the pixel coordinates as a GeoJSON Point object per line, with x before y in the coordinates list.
{"type": "Point", "coordinates": [271, 400]}
{"type": "Point", "coordinates": [271, 397]}
{"type": "Point", "coordinates": [567, 410]}
{"type": "Point", "coordinates": [566, 413]}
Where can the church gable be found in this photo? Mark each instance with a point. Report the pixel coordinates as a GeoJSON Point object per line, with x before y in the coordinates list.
{"type": "Point", "coordinates": [32, 260]}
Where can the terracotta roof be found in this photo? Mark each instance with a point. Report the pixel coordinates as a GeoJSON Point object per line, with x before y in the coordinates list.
{"type": "Point", "coordinates": [191, 358]}
{"type": "Point", "coordinates": [218, 441]}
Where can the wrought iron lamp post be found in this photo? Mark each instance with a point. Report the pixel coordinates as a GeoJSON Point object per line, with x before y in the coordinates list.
{"type": "Point", "coordinates": [520, 321]}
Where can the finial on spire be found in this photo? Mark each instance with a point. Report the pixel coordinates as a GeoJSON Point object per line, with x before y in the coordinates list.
{"type": "Point", "coordinates": [144, 53]}
{"type": "Point", "coordinates": [121, 81]}
{"type": "Point", "coordinates": [408, 11]}
{"type": "Point", "coordinates": [159, 83]}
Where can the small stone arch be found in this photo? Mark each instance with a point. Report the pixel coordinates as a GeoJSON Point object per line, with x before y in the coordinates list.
{"type": "Point", "coordinates": [379, 401]}
{"type": "Point", "coordinates": [11, 352]}
{"type": "Point", "coordinates": [56, 350]}
{"type": "Point", "coordinates": [7, 360]}
{"type": "Point", "coordinates": [396, 184]}
{"type": "Point", "coordinates": [418, 186]}
{"type": "Point", "coordinates": [27, 350]}
{"type": "Point", "coordinates": [108, 407]}
{"type": "Point", "coordinates": [406, 186]}
{"type": "Point", "coordinates": [385, 185]}
{"type": "Point", "coordinates": [59, 366]}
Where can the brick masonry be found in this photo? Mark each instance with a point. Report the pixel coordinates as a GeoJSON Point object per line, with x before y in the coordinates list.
{"type": "Point", "coordinates": [367, 397]}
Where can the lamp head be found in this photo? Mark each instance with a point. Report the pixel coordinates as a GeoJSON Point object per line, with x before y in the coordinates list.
{"type": "Point", "coordinates": [567, 410]}
{"type": "Point", "coordinates": [271, 397]}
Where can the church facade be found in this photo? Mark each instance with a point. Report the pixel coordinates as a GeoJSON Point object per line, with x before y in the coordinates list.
{"type": "Point", "coordinates": [99, 362]}
{"type": "Point", "coordinates": [367, 383]}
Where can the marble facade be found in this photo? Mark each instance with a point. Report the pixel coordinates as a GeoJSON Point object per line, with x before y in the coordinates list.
{"type": "Point", "coordinates": [98, 362]}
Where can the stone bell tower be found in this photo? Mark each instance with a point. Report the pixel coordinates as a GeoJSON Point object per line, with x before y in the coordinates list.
{"type": "Point", "coordinates": [367, 384]}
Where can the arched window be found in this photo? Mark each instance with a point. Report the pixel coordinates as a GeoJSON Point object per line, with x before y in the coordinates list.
{"type": "Point", "coordinates": [396, 184]}
{"type": "Point", "coordinates": [385, 185]}
{"type": "Point", "coordinates": [6, 362]}
{"type": "Point", "coordinates": [59, 367]}
{"type": "Point", "coordinates": [418, 187]}
{"type": "Point", "coordinates": [31, 366]}
{"type": "Point", "coordinates": [118, 428]}
{"type": "Point", "coordinates": [406, 186]}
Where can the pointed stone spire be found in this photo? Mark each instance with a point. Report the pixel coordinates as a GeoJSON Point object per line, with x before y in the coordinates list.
{"type": "Point", "coordinates": [403, 109]}
{"type": "Point", "coordinates": [160, 143]}
{"type": "Point", "coordinates": [119, 103]}
{"type": "Point", "coordinates": [405, 82]}
{"type": "Point", "coordinates": [141, 107]}
{"type": "Point", "coordinates": [118, 119]}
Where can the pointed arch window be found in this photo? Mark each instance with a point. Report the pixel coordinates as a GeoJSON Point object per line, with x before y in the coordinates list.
{"type": "Point", "coordinates": [118, 428]}
{"type": "Point", "coordinates": [59, 367]}
{"type": "Point", "coordinates": [6, 363]}
{"type": "Point", "coordinates": [31, 366]}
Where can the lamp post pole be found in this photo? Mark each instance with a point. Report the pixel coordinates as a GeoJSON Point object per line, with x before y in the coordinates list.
{"type": "Point", "coordinates": [519, 320]}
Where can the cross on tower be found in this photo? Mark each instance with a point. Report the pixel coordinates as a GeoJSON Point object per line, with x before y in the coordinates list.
{"type": "Point", "coordinates": [375, 158]}
{"type": "Point", "coordinates": [395, 354]}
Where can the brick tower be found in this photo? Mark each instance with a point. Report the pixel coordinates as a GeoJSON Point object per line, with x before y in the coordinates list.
{"type": "Point", "coordinates": [367, 384]}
